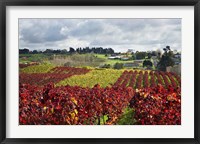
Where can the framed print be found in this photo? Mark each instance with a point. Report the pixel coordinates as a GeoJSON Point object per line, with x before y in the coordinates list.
{"type": "Point", "coordinates": [99, 71]}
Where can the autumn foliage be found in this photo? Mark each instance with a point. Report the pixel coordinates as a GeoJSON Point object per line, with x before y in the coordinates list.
{"type": "Point", "coordinates": [157, 106]}
{"type": "Point", "coordinates": [71, 105]}
{"type": "Point", "coordinates": [154, 96]}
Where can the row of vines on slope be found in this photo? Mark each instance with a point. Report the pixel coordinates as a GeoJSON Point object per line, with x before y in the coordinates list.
{"type": "Point", "coordinates": [54, 75]}
{"type": "Point", "coordinates": [145, 79]}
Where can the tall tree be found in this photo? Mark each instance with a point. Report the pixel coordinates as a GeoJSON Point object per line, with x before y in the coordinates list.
{"type": "Point", "coordinates": [166, 59]}
{"type": "Point", "coordinates": [23, 51]}
{"type": "Point", "coordinates": [147, 63]}
{"type": "Point", "coordinates": [71, 50]}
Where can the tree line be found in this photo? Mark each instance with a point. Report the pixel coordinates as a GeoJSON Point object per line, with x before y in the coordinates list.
{"type": "Point", "coordinates": [96, 50]}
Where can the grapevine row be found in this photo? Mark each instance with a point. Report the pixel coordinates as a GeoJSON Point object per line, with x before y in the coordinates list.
{"type": "Point", "coordinates": [54, 75]}
{"type": "Point", "coordinates": [133, 79]}
{"type": "Point", "coordinates": [148, 79]}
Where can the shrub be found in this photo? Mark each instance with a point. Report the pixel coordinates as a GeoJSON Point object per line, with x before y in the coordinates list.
{"type": "Point", "coordinates": [118, 66]}
{"type": "Point", "coordinates": [106, 66]}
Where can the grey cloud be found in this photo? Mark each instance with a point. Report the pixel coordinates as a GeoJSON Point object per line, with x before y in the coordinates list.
{"type": "Point", "coordinates": [41, 32]}
{"type": "Point", "coordinates": [87, 28]}
{"type": "Point", "coordinates": [115, 33]}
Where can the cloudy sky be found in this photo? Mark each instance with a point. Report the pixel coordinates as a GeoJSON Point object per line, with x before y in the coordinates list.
{"type": "Point", "coordinates": [119, 34]}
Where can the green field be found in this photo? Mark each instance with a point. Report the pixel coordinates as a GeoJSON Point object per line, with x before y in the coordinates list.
{"type": "Point", "coordinates": [73, 60]}
{"type": "Point", "coordinates": [110, 61]}
{"type": "Point", "coordinates": [42, 68]}
{"type": "Point", "coordinates": [103, 77]}
{"type": "Point", "coordinates": [27, 58]}
{"type": "Point", "coordinates": [77, 60]}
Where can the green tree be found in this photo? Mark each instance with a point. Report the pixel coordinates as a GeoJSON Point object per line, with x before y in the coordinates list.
{"type": "Point", "coordinates": [149, 55]}
{"type": "Point", "coordinates": [140, 55]}
{"type": "Point", "coordinates": [166, 59]}
{"type": "Point", "coordinates": [147, 63]}
{"type": "Point", "coordinates": [118, 65]}
{"type": "Point", "coordinates": [71, 50]}
{"type": "Point", "coordinates": [133, 56]}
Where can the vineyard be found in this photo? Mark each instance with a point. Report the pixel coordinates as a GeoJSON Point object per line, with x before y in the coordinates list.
{"type": "Point", "coordinates": [51, 95]}
{"type": "Point", "coordinates": [54, 75]}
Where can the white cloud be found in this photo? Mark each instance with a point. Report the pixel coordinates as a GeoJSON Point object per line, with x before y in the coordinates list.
{"type": "Point", "coordinates": [119, 34]}
{"type": "Point", "coordinates": [64, 30]}
{"type": "Point", "coordinates": [72, 42]}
